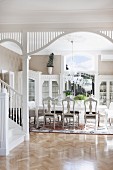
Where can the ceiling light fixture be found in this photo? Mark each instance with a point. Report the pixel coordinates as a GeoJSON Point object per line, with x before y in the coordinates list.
{"type": "Point", "coordinates": [71, 73]}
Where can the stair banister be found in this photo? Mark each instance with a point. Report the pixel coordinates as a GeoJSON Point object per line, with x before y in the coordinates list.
{"type": "Point", "coordinates": [15, 102]}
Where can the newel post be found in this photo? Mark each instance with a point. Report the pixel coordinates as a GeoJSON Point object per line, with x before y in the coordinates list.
{"type": "Point", "coordinates": [4, 107]}
{"type": "Point", "coordinates": [25, 88]}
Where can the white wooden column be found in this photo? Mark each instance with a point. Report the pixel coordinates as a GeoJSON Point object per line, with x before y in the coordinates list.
{"type": "Point", "coordinates": [39, 89]}
{"type": "Point", "coordinates": [25, 87]}
{"type": "Point", "coordinates": [96, 82]}
{"type": "Point", "coordinates": [96, 87]}
{"type": "Point", "coordinates": [62, 85]}
{"type": "Point", "coordinates": [63, 64]}
{"type": "Point", "coordinates": [4, 138]}
{"type": "Point", "coordinates": [38, 94]}
{"type": "Point", "coordinates": [50, 87]}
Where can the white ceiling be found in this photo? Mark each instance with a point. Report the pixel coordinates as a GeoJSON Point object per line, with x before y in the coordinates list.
{"type": "Point", "coordinates": [53, 5]}
{"type": "Point", "coordinates": [30, 15]}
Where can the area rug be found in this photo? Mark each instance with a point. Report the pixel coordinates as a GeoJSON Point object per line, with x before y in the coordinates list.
{"type": "Point", "coordinates": [68, 129]}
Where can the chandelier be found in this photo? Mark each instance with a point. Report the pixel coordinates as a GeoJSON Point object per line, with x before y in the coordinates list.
{"type": "Point", "coordinates": [71, 74]}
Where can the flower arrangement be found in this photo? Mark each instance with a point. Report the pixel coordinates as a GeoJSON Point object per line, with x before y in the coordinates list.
{"type": "Point", "coordinates": [80, 97]}
{"type": "Point", "coordinates": [67, 92]}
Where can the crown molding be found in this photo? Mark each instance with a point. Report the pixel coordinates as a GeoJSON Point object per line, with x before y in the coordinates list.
{"type": "Point", "coordinates": [50, 20]}
{"type": "Point", "coordinates": [66, 27]}
{"type": "Point", "coordinates": [35, 17]}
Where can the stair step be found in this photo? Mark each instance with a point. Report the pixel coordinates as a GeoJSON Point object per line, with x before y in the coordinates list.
{"type": "Point", "coordinates": [16, 140]}
{"type": "Point", "coordinates": [10, 132]}
{"type": "Point", "coordinates": [16, 135]}
{"type": "Point", "coordinates": [15, 131]}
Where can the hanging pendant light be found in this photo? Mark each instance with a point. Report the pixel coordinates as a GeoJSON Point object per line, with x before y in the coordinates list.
{"type": "Point", "coordinates": [71, 73]}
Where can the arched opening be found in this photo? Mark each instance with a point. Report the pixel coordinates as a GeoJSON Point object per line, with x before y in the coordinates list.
{"type": "Point", "coordinates": [89, 48]}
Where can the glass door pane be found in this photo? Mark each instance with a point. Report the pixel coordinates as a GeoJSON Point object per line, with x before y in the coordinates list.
{"type": "Point", "coordinates": [31, 90]}
{"type": "Point", "coordinates": [45, 89]}
{"type": "Point", "coordinates": [54, 89]}
{"type": "Point", "coordinates": [103, 93]}
{"type": "Point", "coordinates": [111, 91]}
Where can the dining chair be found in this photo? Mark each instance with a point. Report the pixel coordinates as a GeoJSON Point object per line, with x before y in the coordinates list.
{"type": "Point", "coordinates": [68, 110]}
{"type": "Point", "coordinates": [49, 110]}
{"type": "Point", "coordinates": [35, 113]}
{"type": "Point", "coordinates": [58, 103]}
{"type": "Point", "coordinates": [40, 116]}
{"type": "Point", "coordinates": [102, 117]}
{"type": "Point", "coordinates": [109, 113]}
{"type": "Point", "coordinates": [91, 111]}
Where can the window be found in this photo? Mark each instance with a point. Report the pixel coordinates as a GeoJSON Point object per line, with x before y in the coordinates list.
{"type": "Point", "coordinates": [81, 62]}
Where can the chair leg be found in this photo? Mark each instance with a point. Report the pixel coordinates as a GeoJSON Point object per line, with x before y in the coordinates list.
{"type": "Point", "coordinates": [34, 120]}
{"type": "Point", "coordinates": [84, 122]}
{"type": "Point", "coordinates": [78, 119]}
{"type": "Point", "coordinates": [63, 123]}
{"type": "Point", "coordinates": [85, 126]}
{"type": "Point", "coordinates": [98, 121]}
{"type": "Point", "coordinates": [73, 123]}
{"type": "Point", "coordinates": [29, 119]}
{"type": "Point", "coordinates": [58, 118]}
{"type": "Point", "coordinates": [95, 124]}
{"type": "Point", "coordinates": [44, 121]}
{"type": "Point", "coordinates": [106, 120]}
{"type": "Point", "coordinates": [54, 122]}
{"type": "Point", "coordinates": [50, 120]}
{"type": "Point", "coordinates": [110, 121]}
{"type": "Point", "coordinates": [37, 122]}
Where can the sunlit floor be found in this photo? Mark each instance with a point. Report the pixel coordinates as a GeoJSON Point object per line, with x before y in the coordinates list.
{"type": "Point", "coordinates": [53, 151]}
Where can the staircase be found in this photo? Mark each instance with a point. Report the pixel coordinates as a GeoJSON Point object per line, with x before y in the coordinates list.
{"type": "Point", "coordinates": [11, 125]}
{"type": "Point", "coordinates": [15, 134]}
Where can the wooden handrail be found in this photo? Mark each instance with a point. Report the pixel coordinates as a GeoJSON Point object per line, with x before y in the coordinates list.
{"type": "Point", "coordinates": [8, 86]}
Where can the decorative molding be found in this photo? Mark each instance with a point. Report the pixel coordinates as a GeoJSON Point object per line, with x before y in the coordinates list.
{"type": "Point", "coordinates": [55, 16]}
{"type": "Point", "coordinates": [107, 34]}
{"type": "Point", "coordinates": [49, 77]}
{"type": "Point", "coordinates": [16, 37]}
{"type": "Point", "coordinates": [37, 41]}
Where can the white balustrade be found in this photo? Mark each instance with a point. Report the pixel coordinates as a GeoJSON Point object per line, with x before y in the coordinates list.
{"type": "Point", "coordinates": [15, 102]}
{"type": "Point", "coordinates": [41, 40]}
{"type": "Point", "coordinates": [16, 36]}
